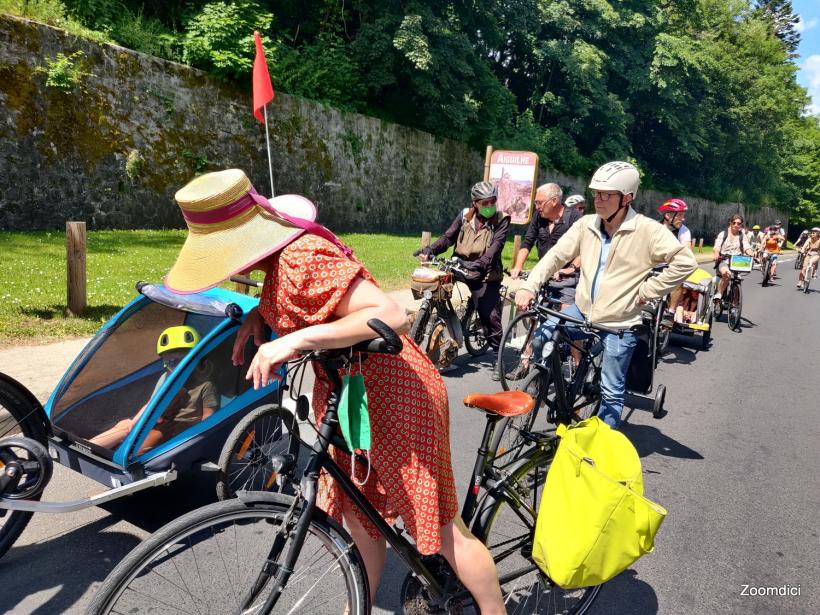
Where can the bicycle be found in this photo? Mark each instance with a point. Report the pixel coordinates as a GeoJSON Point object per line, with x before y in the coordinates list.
{"type": "Point", "coordinates": [294, 558]}
{"type": "Point", "coordinates": [798, 262]}
{"type": "Point", "coordinates": [732, 299]}
{"type": "Point", "coordinates": [439, 328]}
{"type": "Point", "coordinates": [808, 273]}
{"type": "Point", "coordinates": [514, 357]}
{"type": "Point", "coordinates": [767, 268]}
{"type": "Point", "coordinates": [571, 392]}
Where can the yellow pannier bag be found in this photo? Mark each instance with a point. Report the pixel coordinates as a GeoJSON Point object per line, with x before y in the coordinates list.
{"type": "Point", "coordinates": [593, 521]}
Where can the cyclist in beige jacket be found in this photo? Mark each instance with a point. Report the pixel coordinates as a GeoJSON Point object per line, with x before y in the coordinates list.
{"type": "Point", "coordinates": [618, 248]}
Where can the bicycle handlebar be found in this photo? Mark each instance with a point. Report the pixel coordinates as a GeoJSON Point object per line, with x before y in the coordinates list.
{"type": "Point", "coordinates": [454, 263]}
{"type": "Point", "coordinates": [240, 279]}
{"type": "Point", "coordinates": [387, 342]}
{"type": "Point", "coordinates": [544, 310]}
{"type": "Point", "coordinates": [522, 275]}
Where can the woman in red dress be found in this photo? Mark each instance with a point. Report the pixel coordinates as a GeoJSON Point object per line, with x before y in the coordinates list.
{"type": "Point", "coordinates": [316, 295]}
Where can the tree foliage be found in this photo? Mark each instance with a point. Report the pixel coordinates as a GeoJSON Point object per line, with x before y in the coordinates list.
{"type": "Point", "coordinates": [700, 93]}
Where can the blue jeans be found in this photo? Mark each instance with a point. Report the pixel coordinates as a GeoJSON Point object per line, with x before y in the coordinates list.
{"type": "Point", "coordinates": [615, 362]}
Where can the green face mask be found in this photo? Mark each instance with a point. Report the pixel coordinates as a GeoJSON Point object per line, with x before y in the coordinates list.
{"type": "Point", "coordinates": [355, 420]}
{"type": "Point", "coordinates": [487, 212]}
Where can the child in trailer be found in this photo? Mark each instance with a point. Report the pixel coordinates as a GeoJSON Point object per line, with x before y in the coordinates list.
{"type": "Point", "coordinates": [196, 401]}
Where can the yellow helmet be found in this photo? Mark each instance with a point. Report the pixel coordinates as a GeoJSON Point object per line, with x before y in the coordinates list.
{"type": "Point", "coordinates": [180, 337]}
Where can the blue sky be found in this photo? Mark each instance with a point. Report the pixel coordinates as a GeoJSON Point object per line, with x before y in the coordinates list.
{"type": "Point", "coordinates": [809, 60]}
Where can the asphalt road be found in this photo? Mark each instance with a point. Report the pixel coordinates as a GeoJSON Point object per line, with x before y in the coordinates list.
{"type": "Point", "coordinates": [735, 462]}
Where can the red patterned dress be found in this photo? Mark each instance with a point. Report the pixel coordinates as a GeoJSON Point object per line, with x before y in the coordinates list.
{"type": "Point", "coordinates": [411, 473]}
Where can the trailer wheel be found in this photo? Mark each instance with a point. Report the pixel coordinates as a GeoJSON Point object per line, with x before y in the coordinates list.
{"type": "Point", "coordinates": [658, 410]}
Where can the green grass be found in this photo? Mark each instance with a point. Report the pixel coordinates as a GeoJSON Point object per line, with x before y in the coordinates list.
{"type": "Point", "coordinates": [33, 279]}
{"type": "Point", "coordinates": [33, 275]}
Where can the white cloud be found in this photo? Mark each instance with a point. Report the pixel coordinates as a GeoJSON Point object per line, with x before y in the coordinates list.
{"type": "Point", "coordinates": [801, 26]}
{"type": "Point", "coordinates": [811, 69]}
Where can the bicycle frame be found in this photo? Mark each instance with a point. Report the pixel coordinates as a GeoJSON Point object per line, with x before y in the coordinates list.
{"type": "Point", "coordinates": [565, 397]}
{"type": "Point", "coordinates": [319, 460]}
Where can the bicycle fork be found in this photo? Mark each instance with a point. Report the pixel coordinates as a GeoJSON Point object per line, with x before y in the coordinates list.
{"type": "Point", "coordinates": [290, 537]}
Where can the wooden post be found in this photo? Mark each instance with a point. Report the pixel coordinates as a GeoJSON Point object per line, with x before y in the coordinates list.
{"type": "Point", "coordinates": [487, 158]}
{"type": "Point", "coordinates": [241, 288]}
{"type": "Point", "coordinates": [516, 248]}
{"type": "Point", "coordinates": [700, 245]}
{"type": "Point", "coordinates": [75, 266]}
{"type": "Point", "coordinates": [425, 239]}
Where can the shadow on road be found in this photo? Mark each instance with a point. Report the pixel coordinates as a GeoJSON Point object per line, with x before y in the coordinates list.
{"type": "Point", "coordinates": [679, 354]}
{"type": "Point", "coordinates": [631, 595]}
{"type": "Point", "coordinates": [651, 440]}
{"type": "Point", "coordinates": [67, 578]}
{"type": "Point", "coordinates": [468, 364]}
{"type": "Point", "coordinates": [86, 554]}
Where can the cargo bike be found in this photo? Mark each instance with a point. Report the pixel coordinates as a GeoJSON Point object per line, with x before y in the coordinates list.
{"type": "Point", "coordinates": [121, 375]}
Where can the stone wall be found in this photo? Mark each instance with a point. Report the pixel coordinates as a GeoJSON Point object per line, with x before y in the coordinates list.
{"type": "Point", "coordinates": [135, 129]}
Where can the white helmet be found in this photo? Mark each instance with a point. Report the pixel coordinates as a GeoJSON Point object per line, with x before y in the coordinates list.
{"type": "Point", "coordinates": [574, 200]}
{"type": "Point", "coordinates": [617, 176]}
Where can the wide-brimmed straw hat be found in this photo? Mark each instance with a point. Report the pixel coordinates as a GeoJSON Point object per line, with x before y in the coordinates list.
{"type": "Point", "coordinates": [230, 227]}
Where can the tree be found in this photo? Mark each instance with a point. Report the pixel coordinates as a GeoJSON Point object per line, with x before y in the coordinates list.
{"type": "Point", "coordinates": [780, 15]}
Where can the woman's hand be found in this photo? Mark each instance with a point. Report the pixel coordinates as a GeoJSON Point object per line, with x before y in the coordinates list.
{"type": "Point", "coordinates": [254, 327]}
{"type": "Point", "coordinates": [269, 358]}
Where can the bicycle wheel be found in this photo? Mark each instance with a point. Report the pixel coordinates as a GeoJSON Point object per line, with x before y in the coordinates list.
{"type": "Point", "coordinates": [419, 328]}
{"type": "Point", "coordinates": [662, 333]}
{"type": "Point", "coordinates": [514, 362]}
{"type": "Point", "coordinates": [766, 272]}
{"type": "Point", "coordinates": [19, 416]}
{"type": "Point", "coordinates": [208, 560]}
{"type": "Point", "coordinates": [475, 338]}
{"type": "Point", "coordinates": [798, 262]}
{"type": "Point", "coordinates": [507, 440]}
{"type": "Point", "coordinates": [254, 452]}
{"type": "Point", "coordinates": [505, 522]}
{"type": "Point", "coordinates": [735, 307]}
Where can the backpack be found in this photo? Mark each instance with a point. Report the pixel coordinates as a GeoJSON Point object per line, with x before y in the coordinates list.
{"type": "Point", "coordinates": [722, 241]}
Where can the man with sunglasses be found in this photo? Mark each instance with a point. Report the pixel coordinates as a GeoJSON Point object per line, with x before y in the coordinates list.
{"type": "Point", "coordinates": [728, 243]}
{"type": "Point", "coordinates": [618, 248]}
{"type": "Point", "coordinates": [479, 233]}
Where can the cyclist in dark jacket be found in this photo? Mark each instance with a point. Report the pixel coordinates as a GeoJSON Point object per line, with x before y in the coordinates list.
{"type": "Point", "coordinates": [478, 234]}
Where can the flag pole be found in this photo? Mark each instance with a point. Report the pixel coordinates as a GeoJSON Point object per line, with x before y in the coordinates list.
{"type": "Point", "coordinates": [267, 141]}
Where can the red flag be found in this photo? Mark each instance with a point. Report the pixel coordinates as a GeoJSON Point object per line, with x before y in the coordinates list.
{"type": "Point", "coordinates": [262, 87]}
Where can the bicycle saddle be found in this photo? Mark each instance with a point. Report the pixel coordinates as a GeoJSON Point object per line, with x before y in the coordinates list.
{"type": "Point", "coordinates": [503, 403]}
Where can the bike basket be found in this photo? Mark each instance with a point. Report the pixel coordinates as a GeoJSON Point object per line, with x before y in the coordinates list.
{"type": "Point", "coordinates": [425, 274]}
{"type": "Point", "coordinates": [593, 520]}
{"type": "Point", "coordinates": [742, 264]}
{"type": "Point", "coordinates": [441, 289]}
